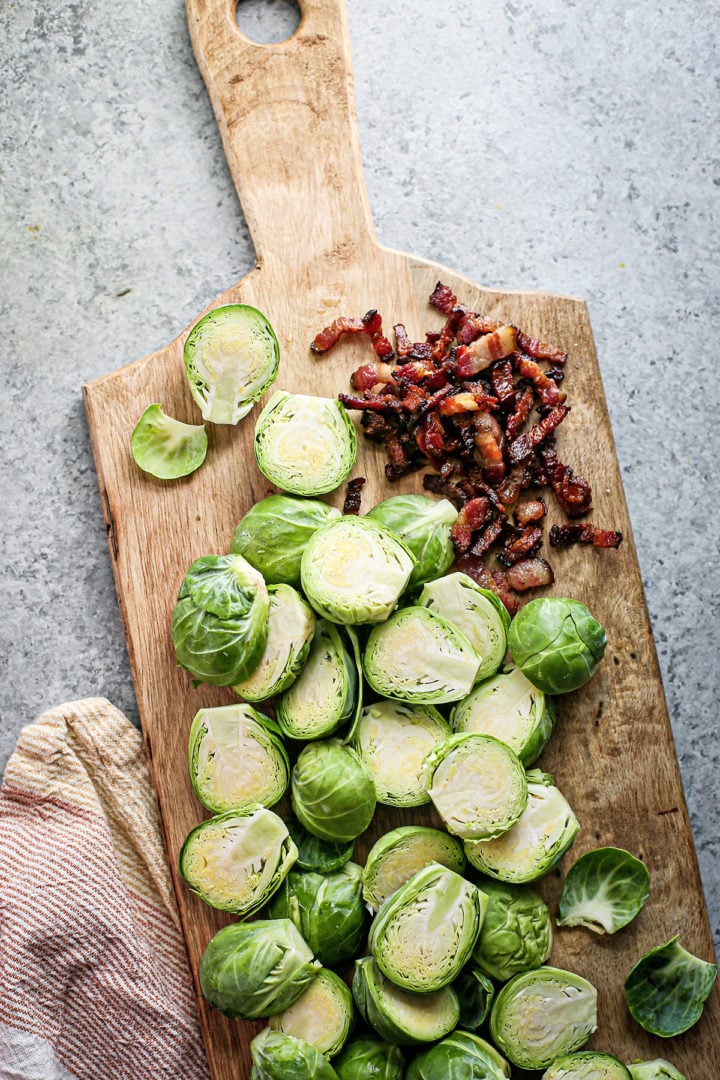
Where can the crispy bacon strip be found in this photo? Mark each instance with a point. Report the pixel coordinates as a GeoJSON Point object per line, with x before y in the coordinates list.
{"type": "Point", "coordinates": [353, 496]}
{"type": "Point", "coordinates": [370, 324]}
{"type": "Point", "coordinates": [384, 403]}
{"type": "Point", "coordinates": [474, 358]}
{"type": "Point", "coordinates": [539, 350]}
{"type": "Point", "coordinates": [582, 532]}
{"type": "Point", "coordinates": [529, 574]}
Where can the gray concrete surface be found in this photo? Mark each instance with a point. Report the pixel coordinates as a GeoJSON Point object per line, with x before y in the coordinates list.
{"type": "Point", "coordinates": [562, 146]}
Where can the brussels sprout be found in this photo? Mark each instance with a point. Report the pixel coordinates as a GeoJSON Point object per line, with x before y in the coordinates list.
{"type": "Point", "coordinates": [165, 447]}
{"type": "Point", "coordinates": [545, 831]}
{"type": "Point", "coordinates": [516, 934]}
{"type": "Point", "coordinates": [279, 1056]}
{"type": "Point", "coordinates": [476, 993]}
{"type": "Point", "coordinates": [658, 1069]}
{"type": "Point", "coordinates": [237, 860]}
{"type": "Point", "coordinates": [468, 607]}
{"type": "Point", "coordinates": [587, 1065]}
{"type": "Point", "coordinates": [355, 571]}
{"type": "Point", "coordinates": [401, 1016]}
{"type": "Point", "coordinates": [363, 1058]}
{"type": "Point", "coordinates": [332, 794]}
{"type": "Point", "coordinates": [511, 709]}
{"type": "Point", "coordinates": [667, 989]}
{"type": "Point", "coordinates": [418, 656]}
{"type": "Point", "coordinates": [316, 854]}
{"type": "Point", "coordinates": [460, 1056]}
{"type": "Point", "coordinates": [305, 445]}
{"type": "Point", "coordinates": [477, 785]}
{"type": "Point", "coordinates": [291, 625]}
{"type": "Point", "coordinates": [424, 525]}
{"type": "Point", "coordinates": [326, 694]}
{"type": "Point", "coordinates": [557, 643]}
{"type": "Point", "coordinates": [540, 1015]}
{"type": "Point", "coordinates": [327, 909]}
{"type": "Point", "coordinates": [398, 855]}
{"type": "Point", "coordinates": [323, 1015]}
{"type": "Point", "coordinates": [236, 758]}
{"type": "Point", "coordinates": [604, 890]}
{"type": "Point", "coordinates": [392, 739]}
{"type": "Point", "coordinates": [220, 622]}
{"type": "Point", "coordinates": [231, 356]}
{"type": "Point", "coordinates": [274, 533]}
{"type": "Point", "coordinates": [425, 932]}
{"type": "Point", "coordinates": [254, 969]}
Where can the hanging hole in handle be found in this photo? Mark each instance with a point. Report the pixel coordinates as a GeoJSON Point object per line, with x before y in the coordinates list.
{"type": "Point", "coordinates": [268, 22]}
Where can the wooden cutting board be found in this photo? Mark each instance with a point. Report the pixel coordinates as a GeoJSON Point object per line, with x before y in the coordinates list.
{"type": "Point", "coordinates": [287, 117]}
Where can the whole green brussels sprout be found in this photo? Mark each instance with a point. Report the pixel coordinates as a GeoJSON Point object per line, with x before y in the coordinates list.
{"type": "Point", "coordinates": [556, 643]}
{"type": "Point", "coordinates": [332, 794]}
{"type": "Point", "coordinates": [516, 934]}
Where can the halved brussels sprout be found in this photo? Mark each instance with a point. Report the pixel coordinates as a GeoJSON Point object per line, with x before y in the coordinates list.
{"type": "Point", "coordinates": [587, 1065]}
{"type": "Point", "coordinates": [466, 605]}
{"type": "Point", "coordinates": [235, 861]}
{"type": "Point", "coordinates": [424, 525]}
{"type": "Point", "coordinates": [657, 1069]}
{"type": "Point", "coordinates": [418, 656]}
{"type": "Point", "coordinates": [254, 969]}
{"type": "Point", "coordinates": [220, 621]}
{"type": "Point", "coordinates": [476, 993]}
{"type": "Point", "coordinates": [398, 855]}
{"type": "Point", "coordinates": [315, 854]}
{"type": "Point", "coordinates": [516, 934]}
{"type": "Point", "coordinates": [323, 1015]}
{"type": "Point", "coordinates": [425, 932]}
{"type": "Point", "coordinates": [332, 794]}
{"type": "Point", "coordinates": [355, 571]}
{"type": "Point", "coordinates": [291, 625]}
{"type": "Point", "coordinates": [165, 447]}
{"type": "Point", "coordinates": [510, 708]}
{"type": "Point", "coordinates": [540, 1015]}
{"type": "Point", "coordinates": [274, 533]}
{"type": "Point", "coordinates": [477, 785]}
{"type": "Point", "coordinates": [236, 758]}
{"type": "Point", "coordinates": [667, 989]}
{"type": "Point", "coordinates": [557, 643]}
{"type": "Point", "coordinates": [231, 356]}
{"type": "Point", "coordinates": [327, 909]}
{"type": "Point", "coordinates": [545, 831]}
{"type": "Point", "coordinates": [604, 890]}
{"type": "Point", "coordinates": [278, 1056]}
{"type": "Point", "coordinates": [305, 445]}
{"type": "Point", "coordinates": [326, 694]}
{"type": "Point", "coordinates": [401, 1016]}
{"type": "Point", "coordinates": [367, 1057]}
{"type": "Point", "coordinates": [392, 739]}
{"type": "Point", "coordinates": [461, 1054]}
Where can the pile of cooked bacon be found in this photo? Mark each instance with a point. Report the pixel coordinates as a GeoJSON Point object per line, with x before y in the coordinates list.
{"type": "Point", "coordinates": [461, 401]}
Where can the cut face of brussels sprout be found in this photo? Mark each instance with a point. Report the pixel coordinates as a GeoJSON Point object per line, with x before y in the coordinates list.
{"type": "Point", "coordinates": [305, 445]}
{"type": "Point", "coordinates": [604, 890]}
{"type": "Point", "coordinates": [557, 643]}
{"type": "Point", "coordinates": [461, 1054]}
{"type": "Point", "coordinates": [418, 656]}
{"type": "Point", "coordinates": [322, 1016]}
{"type": "Point", "coordinates": [392, 739]}
{"type": "Point", "coordinates": [477, 785]}
{"type": "Point", "coordinates": [363, 1058]}
{"type": "Point", "coordinates": [231, 356]}
{"type": "Point", "coordinates": [398, 855]}
{"type": "Point", "coordinates": [236, 759]}
{"type": "Point", "coordinates": [237, 860]}
{"type": "Point", "coordinates": [327, 909]}
{"type": "Point", "coordinates": [322, 856]}
{"type": "Point", "coordinates": [658, 1069]}
{"type": "Point", "coordinates": [220, 622]}
{"type": "Point", "coordinates": [424, 525]}
{"type": "Point", "coordinates": [587, 1065]}
{"type": "Point", "coordinates": [273, 534]}
{"type": "Point", "coordinates": [541, 1015]}
{"type": "Point", "coordinates": [279, 1056]}
{"type": "Point", "coordinates": [516, 934]}
{"type": "Point", "coordinates": [667, 989]}
{"type": "Point", "coordinates": [463, 603]}
{"type": "Point", "coordinates": [511, 709]}
{"type": "Point", "coordinates": [332, 794]}
{"type": "Point", "coordinates": [425, 932]}
{"type": "Point", "coordinates": [255, 969]}
{"type": "Point", "coordinates": [476, 993]}
{"type": "Point", "coordinates": [400, 1016]}
{"type": "Point", "coordinates": [165, 447]}
{"type": "Point", "coordinates": [355, 571]}
{"type": "Point", "coordinates": [545, 831]}
{"type": "Point", "coordinates": [291, 625]}
{"type": "Point", "coordinates": [325, 696]}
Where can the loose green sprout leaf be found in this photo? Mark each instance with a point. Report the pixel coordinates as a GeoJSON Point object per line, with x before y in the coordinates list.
{"type": "Point", "coordinates": [511, 709]}
{"type": "Point", "coordinates": [323, 1015]}
{"type": "Point", "coordinates": [468, 607]}
{"type": "Point", "coordinates": [401, 1016]}
{"type": "Point", "coordinates": [332, 794]}
{"type": "Point", "coordinates": [516, 934]}
{"type": "Point", "coordinates": [322, 856]}
{"type": "Point", "coordinates": [274, 533]}
{"type": "Point", "coordinates": [279, 1056]}
{"type": "Point", "coordinates": [604, 890]}
{"type": "Point", "coordinates": [236, 758]}
{"type": "Point", "coordinates": [231, 356]}
{"type": "Point", "coordinates": [667, 989]}
{"type": "Point", "coordinates": [557, 643]}
{"type": "Point", "coordinates": [326, 694]}
{"type": "Point", "coordinates": [658, 1069]}
{"type": "Point", "coordinates": [475, 992]}
{"type": "Point", "coordinates": [305, 445]}
{"type": "Point", "coordinates": [587, 1065]}
{"type": "Point", "coordinates": [392, 739]}
{"type": "Point", "coordinates": [165, 447]}
{"type": "Point", "coordinates": [540, 1015]}
{"type": "Point", "coordinates": [327, 909]}
{"type": "Point", "coordinates": [424, 525]}
{"type": "Point", "coordinates": [237, 860]}
{"type": "Point", "coordinates": [363, 1058]}
{"type": "Point", "coordinates": [399, 854]}
{"type": "Point", "coordinates": [419, 657]}
{"type": "Point", "coordinates": [291, 625]}
{"type": "Point", "coordinates": [460, 1056]}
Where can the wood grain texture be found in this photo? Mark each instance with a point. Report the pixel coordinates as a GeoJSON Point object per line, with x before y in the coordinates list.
{"type": "Point", "coordinates": [286, 115]}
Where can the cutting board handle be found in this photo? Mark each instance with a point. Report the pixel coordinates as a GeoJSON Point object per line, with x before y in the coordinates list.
{"type": "Point", "coordinates": [287, 117]}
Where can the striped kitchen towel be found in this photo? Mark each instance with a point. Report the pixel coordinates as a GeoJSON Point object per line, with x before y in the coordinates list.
{"type": "Point", "coordinates": [94, 981]}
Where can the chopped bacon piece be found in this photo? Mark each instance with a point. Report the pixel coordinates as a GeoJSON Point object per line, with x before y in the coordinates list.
{"type": "Point", "coordinates": [522, 448]}
{"type": "Point", "coordinates": [377, 426]}
{"type": "Point", "coordinates": [399, 463]}
{"type": "Point", "coordinates": [502, 381]}
{"type": "Point", "coordinates": [520, 546]}
{"type": "Point", "coordinates": [472, 516]}
{"type": "Point", "coordinates": [529, 574]}
{"type": "Point", "coordinates": [539, 350]}
{"type": "Point", "coordinates": [415, 371]}
{"type": "Point", "coordinates": [473, 358]}
{"type": "Point", "coordinates": [523, 408]}
{"type": "Point", "coordinates": [443, 298]}
{"type": "Point", "coordinates": [517, 479]}
{"type": "Point", "coordinates": [379, 402]}
{"type": "Point", "coordinates": [547, 389]}
{"type": "Point", "coordinates": [494, 580]}
{"type": "Point", "coordinates": [353, 495]}
{"type": "Point", "coordinates": [490, 535]}
{"type": "Point", "coordinates": [370, 324]}
{"type": "Point", "coordinates": [458, 403]}
{"type": "Point", "coordinates": [573, 492]}
{"type": "Point", "coordinates": [581, 532]}
{"type": "Point", "coordinates": [530, 510]}
{"type": "Point", "coordinates": [430, 436]}
{"type": "Point", "coordinates": [473, 325]}
{"type": "Point", "coordinates": [403, 344]}
{"type": "Point", "coordinates": [371, 376]}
